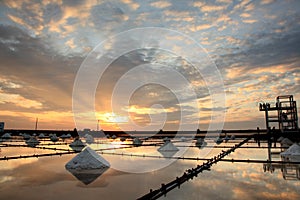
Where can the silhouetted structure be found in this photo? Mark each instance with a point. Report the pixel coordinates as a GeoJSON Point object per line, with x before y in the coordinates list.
{"type": "Point", "coordinates": [1, 127]}
{"type": "Point", "coordinates": [290, 171]}
{"type": "Point", "coordinates": [284, 112]}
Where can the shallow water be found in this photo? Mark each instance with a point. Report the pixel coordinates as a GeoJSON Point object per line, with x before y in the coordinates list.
{"type": "Point", "coordinates": [47, 178]}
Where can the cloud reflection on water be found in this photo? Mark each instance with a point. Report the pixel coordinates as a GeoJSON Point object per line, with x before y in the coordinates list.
{"type": "Point", "coordinates": [46, 178]}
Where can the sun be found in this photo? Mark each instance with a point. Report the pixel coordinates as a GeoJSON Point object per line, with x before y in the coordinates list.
{"type": "Point", "coordinates": [114, 118]}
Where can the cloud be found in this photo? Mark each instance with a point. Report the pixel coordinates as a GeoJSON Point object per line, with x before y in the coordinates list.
{"type": "Point", "coordinates": [131, 4]}
{"type": "Point", "coordinates": [249, 21]}
{"type": "Point", "coordinates": [70, 43]}
{"type": "Point", "coordinates": [161, 4]}
{"type": "Point", "coordinates": [212, 8]}
{"type": "Point", "coordinates": [18, 100]}
{"type": "Point", "coordinates": [201, 27]}
{"type": "Point", "coordinates": [224, 1]}
{"type": "Point", "coordinates": [223, 18]}
{"type": "Point", "coordinates": [245, 15]}
{"type": "Point", "coordinates": [44, 76]}
{"type": "Point", "coordinates": [264, 2]}
{"type": "Point", "coordinates": [43, 44]}
{"type": "Point", "coordinates": [146, 110]}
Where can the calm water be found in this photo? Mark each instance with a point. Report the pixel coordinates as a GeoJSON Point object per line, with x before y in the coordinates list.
{"type": "Point", "coordinates": [47, 178]}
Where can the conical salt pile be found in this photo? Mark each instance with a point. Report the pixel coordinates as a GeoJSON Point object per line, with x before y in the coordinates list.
{"type": "Point", "coordinates": [166, 139]}
{"type": "Point", "coordinates": [286, 142]}
{"type": "Point", "coordinates": [32, 142]}
{"type": "Point", "coordinates": [87, 159]}
{"type": "Point", "coordinates": [113, 137]}
{"type": "Point", "coordinates": [218, 140]}
{"type": "Point", "coordinates": [137, 142]}
{"type": "Point", "coordinates": [168, 146]}
{"type": "Point", "coordinates": [26, 136]}
{"type": "Point", "coordinates": [292, 150]}
{"type": "Point", "coordinates": [168, 149]}
{"type": "Point", "coordinates": [42, 135]}
{"type": "Point", "coordinates": [64, 136]}
{"type": "Point", "coordinates": [87, 166]}
{"type": "Point", "coordinates": [292, 153]}
{"type": "Point", "coordinates": [226, 138]}
{"type": "Point", "coordinates": [54, 138]}
{"type": "Point", "coordinates": [77, 145]}
{"type": "Point", "coordinates": [200, 143]}
{"type": "Point", "coordinates": [6, 136]}
{"type": "Point", "coordinates": [89, 139]}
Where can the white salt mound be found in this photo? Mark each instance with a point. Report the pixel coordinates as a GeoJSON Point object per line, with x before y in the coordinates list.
{"type": "Point", "coordinates": [226, 138]}
{"type": "Point", "coordinates": [32, 142]}
{"type": "Point", "coordinates": [218, 140]}
{"type": "Point", "coordinates": [286, 142]}
{"type": "Point", "coordinates": [168, 146]}
{"type": "Point", "coordinates": [166, 139]}
{"type": "Point", "coordinates": [26, 136]}
{"type": "Point", "coordinates": [86, 160]}
{"type": "Point", "coordinates": [200, 142]}
{"type": "Point", "coordinates": [137, 142]}
{"type": "Point", "coordinates": [6, 136]}
{"type": "Point", "coordinates": [292, 153]}
{"type": "Point", "coordinates": [77, 143]}
{"type": "Point", "coordinates": [64, 136]}
{"type": "Point", "coordinates": [292, 150]}
{"type": "Point", "coordinates": [54, 138]}
{"type": "Point", "coordinates": [89, 139]}
{"type": "Point", "coordinates": [41, 135]}
{"type": "Point", "coordinates": [168, 149]}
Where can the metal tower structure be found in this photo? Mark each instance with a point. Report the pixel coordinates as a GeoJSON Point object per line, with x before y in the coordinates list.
{"type": "Point", "coordinates": [284, 112]}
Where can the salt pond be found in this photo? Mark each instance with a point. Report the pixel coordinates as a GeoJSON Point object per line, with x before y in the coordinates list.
{"type": "Point", "coordinates": [47, 178]}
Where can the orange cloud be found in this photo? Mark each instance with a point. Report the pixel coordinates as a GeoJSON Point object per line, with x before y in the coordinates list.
{"type": "Point", "coordinates": [19, 101]}
{"type": "Point", "coordinates": [47, 119]}
{"type": "Point", "coordinates": [245, 15]}
{"type": "Point", "coordinates": [249, 21]}
{"type": "Point", "coordinates": [234, 72]}
{"type": "Point", "coordinates": [133, 5]}
{"type": "Point", "coordinates": [70, 43]}
{"type": "Point", "coordinates": [209, 8]}
{"type": "Point", "coordinates": [161, 4]}
{"type": "Point", "coordinates": [264, 2]}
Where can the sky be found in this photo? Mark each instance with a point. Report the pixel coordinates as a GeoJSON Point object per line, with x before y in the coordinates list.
{"type": "Point", "coordinates": [43, 45]}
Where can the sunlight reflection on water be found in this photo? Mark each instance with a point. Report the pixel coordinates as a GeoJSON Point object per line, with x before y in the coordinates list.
{"type": "Point", "coordinates": [47, 178]}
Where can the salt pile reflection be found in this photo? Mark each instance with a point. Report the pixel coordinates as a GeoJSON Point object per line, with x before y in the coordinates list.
{"type": "Point", "coordinates": [234, 180]}
{"type": "Point", "coordinates": [290, 157]}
